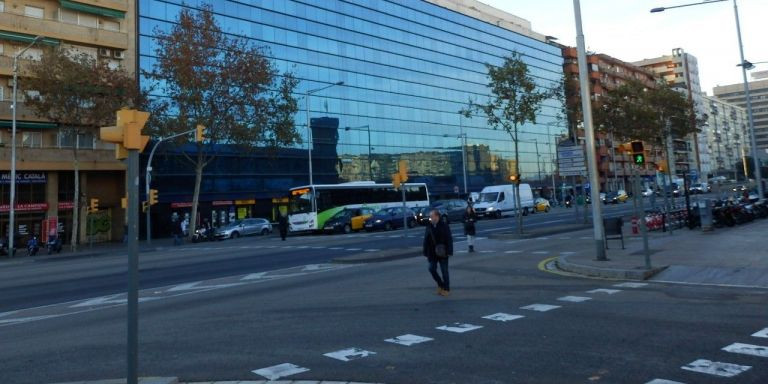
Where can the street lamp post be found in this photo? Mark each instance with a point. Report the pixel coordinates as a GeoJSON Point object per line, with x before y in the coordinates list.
{"type": "Point", "coordinates": [744, 66]}
{"type": "Point", "coordinates": [12, 211]}
{"type": "Point", "coordinates": [463, 137]}
{"type": "Point", "coordinates": [370, 160]}
{"type": "Point", "coordinates": [308, 93]}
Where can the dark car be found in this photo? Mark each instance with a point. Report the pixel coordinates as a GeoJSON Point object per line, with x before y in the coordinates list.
{"type": "Point", "coordinates": [422, 215]}
{"type": "Point", "coordinates": [340, 222]}
{"type": "Point", "coordinates": [390, 218]}
{"type": "Point", "coordinates": [451, 210]}
{"type": "Point", "coordinates": [611, 198]}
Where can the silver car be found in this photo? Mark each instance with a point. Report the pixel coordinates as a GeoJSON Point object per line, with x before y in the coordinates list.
{"type": "Point", "coordinates": [244, 227]}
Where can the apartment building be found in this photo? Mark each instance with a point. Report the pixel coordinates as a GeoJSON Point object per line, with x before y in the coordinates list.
{"type": "Point", "coordinates": [758, 92]}
{"type": "Point", "coordinates": [726, 130]}
{"type": "Point", "coordinates": [104, 29]}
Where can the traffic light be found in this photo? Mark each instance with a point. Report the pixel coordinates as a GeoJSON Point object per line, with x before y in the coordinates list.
{"type": "Point", "coordinates": [638, 153]}
{"type": "Point", "coordinates": [126, 134]}
{"type": "Point", "coordinates": [152, 196]}
{"type": "Point", "coordinates": [402, 170]}
{"type": "Point", "coordinates": [199, 133]}
{"type": "Point", "coordinates": [396, 180]}
{"type": "Point", "coordinates": [94, 207]}
{"type": "Point", "coordinates": [515, 179]}
{"type": "Point", "coordinates": [638, 158]}
{"type": "Point", "coordinates": [662, 166]}
{"type": "Point", "coordinates": [124, 202]}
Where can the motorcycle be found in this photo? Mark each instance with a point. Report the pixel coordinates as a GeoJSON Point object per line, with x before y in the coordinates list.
{"type": "Point", "coordinates": [202, 234]}
{"type": "Point", "coordinates": [568, 203]}
{"type": "Point", "coordinates": [32, 247]}
{"type": "Point", "coordinates": [53, 244]}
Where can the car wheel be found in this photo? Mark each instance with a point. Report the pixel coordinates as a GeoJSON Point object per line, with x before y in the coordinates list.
{"type": "Point", "coordinates": [347, 228]}
{"type": "Point", "coordinates": [546, 209]}
{"type": "Point", "coordinates": [264, 232]}
{"type": "Point", "coordinates": [525, 211]}
{"type": "Point", "coordinates": [498, 214]}
{"type": "Point", "coordinates": [387, 226]}
{"type": "Point", "coordinates": [235, 235]}
{"type": "Point", "coordinates": [411, 223]}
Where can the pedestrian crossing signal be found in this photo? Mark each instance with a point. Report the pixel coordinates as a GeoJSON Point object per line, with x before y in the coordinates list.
{"type": "Point", "coordinates": [639, 158]}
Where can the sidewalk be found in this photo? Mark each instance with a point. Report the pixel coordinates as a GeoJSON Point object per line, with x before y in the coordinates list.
{"type": "Point", "coordinates": [734, 256]}
{"type": "Point", "coordinates": [174, 380]}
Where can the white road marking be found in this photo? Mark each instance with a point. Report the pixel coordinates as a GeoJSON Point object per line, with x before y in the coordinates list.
{"type": "Point", "coordinates": [281, 370]}
{"type": "Point", "coordinates": [26, 319]}
{"type": "Point", "coordinates": [540, 307]}
{"type": "Point", "coordinates": [542, 238]}
{"type": "Point", "coordinates": [567, 253]}
{"type": "Point", "coordinates": [335, 248]}
{"type": "Point", "coordinates": [586, 237]}
{"type": "Point", "coordinates": [462, 252]}
{"type": "Point", "coordinates": [541, 252]}
{"type": "Point", "coordinates": [604, 290]}
{"type": "Point", "coordinates": [486, 251]}
{"type": "Point", "coordinates": [515, 251]}
{"type": "Point", "coordinates": [409, 340]}
{"type": "Point", "coordinates": [747, 349]}
{"type": "Point", "coordinates": [317, 247]}
{"type": "Point", "coordinates": [354, 249]}
{"type": "Point", "coordinates": [503, 317]}
{"type": "Point", "coordinates": [253, 276]}
{"type": "Point", "coordinates": [104, 300]}
{"type": "Point", "coordinates": [372, 250]}
{"type": "Point", "coordinates": [761, 333]}
{"type": "Point", "coordinates": [663, 381]}
{"type": "Point", "coordinates": [716, 368]}
{"type": "Point", "coordinates": [197, 287]}
{"type": "Point", "coordinates": [512, 241]}
{"type": "Point", "coordinates": [574, 299]}
{"type": "Point", "coordinates": [349, 354]}
{"type": "Point", "coordinates": [459, 327]}
{"type": "Point", "coordinates": [564, 238]}
{"type": "Point", "coordinates": [630, 285]}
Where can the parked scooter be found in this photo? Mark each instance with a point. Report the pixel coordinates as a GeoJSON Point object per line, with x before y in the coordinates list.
{"type": "Point", "coordinates": [33, 246]}
{"type": "Point", "coordinates": [53, 244]}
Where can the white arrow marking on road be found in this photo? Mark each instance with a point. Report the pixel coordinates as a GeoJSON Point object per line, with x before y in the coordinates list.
{"type": "Point", "coordinates": [349, 354]}
{"type": "Point", "coordinates": [604, 290]}
{"type": "Point", "coordinates": [253, 276]}
{"type": "Point", "coordinates": [630, 285]}
{"type": "Point", "coordinates": [100, 301]}
{"type": "Point", "coordinates": [747, 349]}
{"type": "Point", "coordinates": [761, 333]}
{"type": "Point", "coordinates": [195, 287]}
{"type": "Point", "coordinates": [503, 317]}
{"type": "Point", "coordinates": [281, 370]}
{"type": "Point", "coordinates": [716, 368]}
{"type": "Point", "coordinates": [574, 299]}
{"type": "Point", "coordinates": [318, 267]}
{"type": "Point", "coordinates": [409, 340]}
{"type": "Point", "coordinates": [459, 327]}
{"type": "Point", "coordinates": [540, 307]}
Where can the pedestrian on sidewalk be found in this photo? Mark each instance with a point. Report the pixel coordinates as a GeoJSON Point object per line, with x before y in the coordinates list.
{"type": "Point", "coordinates": [282, 225]}
{"type": "Point", "coordinates": [470, 217]}
{"type": "Point", "coordinates": [178, 231]}
{"type": "Point", "coordinates": [438, 235]}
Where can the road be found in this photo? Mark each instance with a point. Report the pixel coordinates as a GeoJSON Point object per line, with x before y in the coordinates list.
{"type": "Point", "coordinates": [282, 303]}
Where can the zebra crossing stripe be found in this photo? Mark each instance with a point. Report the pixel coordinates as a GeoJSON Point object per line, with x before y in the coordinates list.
{"type": "Point", "coordinates": [281, 370]}
{"type": "Point", "coordinates": [515, 251]}
{"type": "Point", "coordinates": [604, 290]}
{"type": "Point", "coordinates": [663, 381]}
{"type": "Point", "coordinates": [716, 368]}
{"type": "Point", "coordinates": [541, 252]}
{"type": "Point", "coordinates": [504, 317]}
{"type": "Point", "coordinates": [459, 327]}
{"type": "Point", "coordinates": [574, 299]}
{"type": "Point", "coordinates": [761, 333]}
{"type": "Point", "coordinates": [349, 354]}
{"type": "Point", "coordinates": [747, 349]}
{"type": "Point", "coordinates": [409, 340]}
{"type": "Point", "coordinates": [540, 307]}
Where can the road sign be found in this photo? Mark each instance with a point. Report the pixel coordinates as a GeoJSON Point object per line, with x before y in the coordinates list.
{"type": "Point", "coordinates": [571, 160]}
{"type": "Point", "coordinates": [694, 174]}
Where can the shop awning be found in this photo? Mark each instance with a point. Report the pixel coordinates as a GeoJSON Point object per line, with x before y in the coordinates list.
{"type": "Point", "coordinates": [87, 8]}
{"type": "Point", "coordinates": [27, 124]}
{"type": "Point", "coordinates": [26, 38]}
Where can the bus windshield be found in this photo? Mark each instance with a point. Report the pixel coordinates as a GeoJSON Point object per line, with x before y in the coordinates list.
{"type": "Point", "coordinates": [301, 201]}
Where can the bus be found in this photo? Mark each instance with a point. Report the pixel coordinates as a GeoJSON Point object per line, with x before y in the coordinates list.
{"type": "Point", "coordinates": [311, 205]}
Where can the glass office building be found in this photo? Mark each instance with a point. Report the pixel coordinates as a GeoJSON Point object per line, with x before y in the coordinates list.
{"type": "Point", "coordinates": [407, 66]}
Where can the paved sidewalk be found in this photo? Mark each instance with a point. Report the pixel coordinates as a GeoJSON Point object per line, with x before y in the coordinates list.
{"type": "Point", "coordinates": [736, 256]}
{"type": "Point", "coordinates": [174, 380]}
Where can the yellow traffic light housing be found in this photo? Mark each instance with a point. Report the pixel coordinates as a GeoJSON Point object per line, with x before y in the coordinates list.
{"type": "Point", "coordinates": [515, 179]}
{"type": "Point", "coordinates": [662, 166]}
{"type": "Point", "coordinates": [94, 206]}
{"type": "Point", "coordinates": [396, 180]}
{"type": "Point", "coordinates": [402, 170]}
{"type": "Point", "coordinates": [124, 202]}
{"type": "Point", "coordinates": [152, 196]}
{"type": "Point", "coordinates": [199, 133]}
{"type": "Point", "coordinates": [126, 134]}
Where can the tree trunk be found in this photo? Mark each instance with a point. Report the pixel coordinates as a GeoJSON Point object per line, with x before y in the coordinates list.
{"type": "Point", "coordinates": [519, 210]}
{"type": "Point", "coordinates": [199, 165]}
{"type": "Point", "coordinates": [75, 202]}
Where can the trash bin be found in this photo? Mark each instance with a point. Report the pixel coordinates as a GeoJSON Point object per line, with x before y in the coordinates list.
{"type": "Point", "coordinates": [612, 228]}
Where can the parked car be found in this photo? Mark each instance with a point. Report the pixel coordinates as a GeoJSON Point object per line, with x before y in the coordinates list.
{"type": "Point", "coordinates": [699, 188]}
{"type": "Point", "coordinates": [648, 192]}
{"type": "Point", "coordinates": [360, 216]}
{"type": "Point", "coordinates": [348, 220]}
{"type": "Point", "coordinates": [451, 210]}
{"type": "Point", "coordinates": [422, 214]}
{"type": "Point", "coordinates": [244, 227]}
{"type": "Point", "coordinates": [390, 218]}
{"type": "Point", "coordinates": [622, 196]}
{"type": "Point", "coordinates": [589, 198]}
{"type": "Point", "coordinates": [541, 204]}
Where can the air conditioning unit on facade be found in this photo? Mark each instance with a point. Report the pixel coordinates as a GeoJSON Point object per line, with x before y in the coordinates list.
{"type": "Point", "coordinates": [104, 52]}
{"type": "Point", "coordinates": [118, 54]}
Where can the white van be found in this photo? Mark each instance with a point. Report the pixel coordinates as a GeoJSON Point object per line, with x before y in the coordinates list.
{"type": "Point", "coordinates": [499, 200]}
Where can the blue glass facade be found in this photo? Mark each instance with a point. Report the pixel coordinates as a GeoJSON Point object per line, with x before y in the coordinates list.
{"type": "Point", "coordinates": [407, 66]}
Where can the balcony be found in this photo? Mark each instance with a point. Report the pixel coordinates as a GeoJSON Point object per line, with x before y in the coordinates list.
{"type": "Point", "coordinates": [60, 159]}
{"type": "Point", "coordinates": [67, 32]}
{"type": "Point", "coordinates": [23, 112]}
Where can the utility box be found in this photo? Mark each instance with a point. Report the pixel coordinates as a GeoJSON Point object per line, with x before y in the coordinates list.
{"type": "Point", "coordinates": [705, 214]}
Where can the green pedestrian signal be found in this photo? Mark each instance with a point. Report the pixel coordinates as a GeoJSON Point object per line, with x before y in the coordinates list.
{"type": "Point", "coordinates": [639, 158]}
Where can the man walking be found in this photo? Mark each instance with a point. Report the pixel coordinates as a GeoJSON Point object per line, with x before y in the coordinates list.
{"type": "Point", "coordinates": [282, 224]}
{"type": "Point", "coordinates": [437, 247]}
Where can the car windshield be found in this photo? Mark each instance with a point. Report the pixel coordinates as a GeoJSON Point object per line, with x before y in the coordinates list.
{"type": "Point", "coordinates": [488, 197]}
{"type": "Point", "coordinates": [383, 212]}
{"type": "Point", "coordinates": [340, 214]}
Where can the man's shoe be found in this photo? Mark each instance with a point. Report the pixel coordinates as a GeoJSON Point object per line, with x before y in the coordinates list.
{"type": "Point", "coordinates": [439, 290]}
{"type": "Point", "coordinates": [443, 292]}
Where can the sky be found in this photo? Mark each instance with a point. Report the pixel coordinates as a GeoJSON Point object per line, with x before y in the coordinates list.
{"type": "Point", "coordinates": [626, 30]}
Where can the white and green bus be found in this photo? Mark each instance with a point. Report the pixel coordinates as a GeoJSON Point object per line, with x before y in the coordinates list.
{"type": "Point", "coordinates": [311, 205]}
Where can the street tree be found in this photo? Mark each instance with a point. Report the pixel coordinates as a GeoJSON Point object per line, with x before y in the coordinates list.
{"type": "Point", "coordinates": [224, 83]}
{"type": "Point", "coordinates": [81, 94]}
{"type": "Point", "coordinates": [514, 101]}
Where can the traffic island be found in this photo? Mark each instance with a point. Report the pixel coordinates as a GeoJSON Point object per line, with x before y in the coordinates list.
{"type": "Point", "coordinates": [539, 232]}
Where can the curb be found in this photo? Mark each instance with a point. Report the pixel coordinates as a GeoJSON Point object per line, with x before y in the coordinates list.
{"type": "Point", "coordinates": [638, 273]}
{"type": "Point", "coordinates": [541, 232]}
{"type": "Point", "coordinates": [378, 257]}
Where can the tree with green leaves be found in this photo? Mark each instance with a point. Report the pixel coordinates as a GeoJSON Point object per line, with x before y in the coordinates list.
{"type": "Point", "coordinates": [224, 83]}
{"type": "Point", "coordinates": [514, 101]}
{"type": "Point", "coordinates": [81, 94]}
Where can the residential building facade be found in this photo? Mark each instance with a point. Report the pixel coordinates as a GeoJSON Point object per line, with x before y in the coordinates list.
{"type": "Point", "coordinates": [726, 130]}
{"type": "Point", "coordinates": [105, 30]}
{"type": "Point", "coordinates": [758, 92]}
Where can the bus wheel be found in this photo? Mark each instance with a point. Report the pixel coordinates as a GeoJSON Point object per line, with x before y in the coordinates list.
{"type": "Point", "coordinates": [347, 228]}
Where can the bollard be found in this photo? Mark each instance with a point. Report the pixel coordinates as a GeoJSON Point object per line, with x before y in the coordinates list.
{"type": "Point", "coordinates": [635, 228]}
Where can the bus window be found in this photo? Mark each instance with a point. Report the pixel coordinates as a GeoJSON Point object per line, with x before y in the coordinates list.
{"type": "Point", "coordinates": [301, 202]}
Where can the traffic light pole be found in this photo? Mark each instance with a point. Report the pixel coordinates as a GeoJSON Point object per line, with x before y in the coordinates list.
{"type": "Point", "coordinates": [132, 190]}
